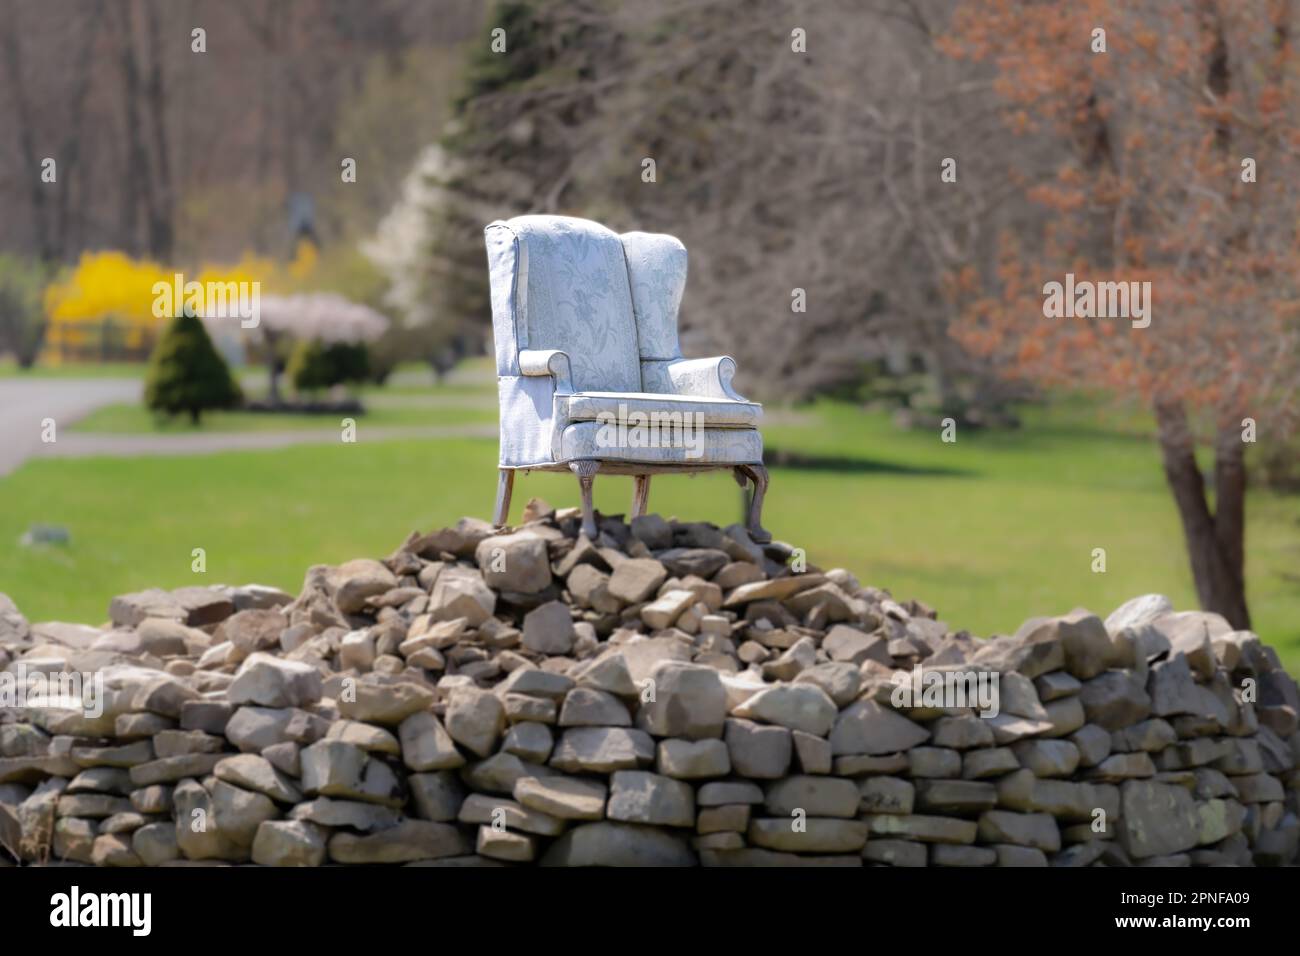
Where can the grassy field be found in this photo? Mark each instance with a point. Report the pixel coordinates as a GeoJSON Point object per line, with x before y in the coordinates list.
{"type": "Point", "coordinates": [10, 369]}
{"type": "Point", "coordinates": [136, 419]}
{"type": "Point", "coordinates": [467, 397]}
{"type": "Point", "coordinates": [989, 530]}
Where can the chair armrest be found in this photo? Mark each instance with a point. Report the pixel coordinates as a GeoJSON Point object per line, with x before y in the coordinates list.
{"type": "Point", "coordinates": [552, 362]}
{"type": "Point", "coordinates": [705, 377]}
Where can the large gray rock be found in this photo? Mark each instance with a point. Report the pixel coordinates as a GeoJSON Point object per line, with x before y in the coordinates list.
{"type": "Point", "coordinates": [535, 682]}
{"type": "Point", "coordinates": [253, 772]}
{"type": "Point", "coordinates": [758, 751]}
{"type": "Point", "coordinates": [1037, 830]}
{"type": "Point", "coordinates": [155, 843]}
{"type": "Point", "coordinates": [702, 562]}
{"type": "Point", "coordinates": [33, 820]}
{"type": "Point", "coordinates": [1018, 696]}
{"type": "Point", "coordinates": [636, 579]}
{"type": "Point", "coordinates": [569, 798]}
{"type": "Point", "coordinates": [1047, 758]}
{"type": "Point", "coordinates": [375, 702]}
{"type": "Point", "coordinates": [197, 833]}
{"type": "Point", "coordinates": [492, 812]}
{"type": "Point", "coordinates": [1063, 799]}
{"type": "Point", "coordinates": [587, 707]}
{"type": "Point", "coordinates": [923, 828]}
{"type": "Point", "coordinates": [461, 592]}
{"type": "Point", "coordinates": [641, 657]}
{"type": "Point", "coordinates": [887, 795]}
{"type": "Point", "coordinates": [1035, 650]}
{"type": "Point", "coordinates": [366, 736]}
{"type": "Point", "coordinates": [529, 740]}
{"type": "Point", "coordinates": [549, 629]}
{"type": "Point", "coordinates": [815, 796]}
{"type": "Point", "coordinates": [475, 719]}
{"type": "Point", "coordinates": [253, 729]}
{"type": "Point", "coordinates": [955, 796]}
{"type": "Point", "coordinates": [249, 631]}
{"type": "Point", "coordinates": [407, 842]}
{"type": "Point", "coordinates": [848, 644]}
{"type": "Point", "coordinates": [602, 749]}
{"type": "Point", "coordinates": [436, 796]}
{"type": "Point", "coordinates": [867, 727]}
{"type": "Point", "coordinates": [689, 701]}
{"type": "Point", "coordinates": [637, 796]}
{"type": "Point", "coordinates": [1138, 612]}
{"type": "Point", "coordinates": [840, 680]}
{"type": "Point", "coordinates": [274, 682]}
{"type": "Point", "coordinates": [426, 745]}
{"type": "Point", "coordinates": [1087, 644]}
{"type": "Point", "coordinates": [809, 835]}
{"type": "Point", "coordinates": [1157, 819]}
{"type": "Point", "coordinates": [238, 812]}
{"type": "Point", "coordinates": [355, 581]}
{"type": "Point", "coordinates": [1115, 700]}
{"type": "Point", "coordinates": [366, 817]}
{"type": "Point", "coordinates": [289, 843]}
{"type": "Point", "coordinates": [334, 768]}
{"type": "Point", "coordinates": [618, 844]}
{"type": "Point", "coordinates": [1173, 691]}
{"type": "Point", "coordinates": [693, 759]}
{"type": "Point", "coordinates": [608, 672]}
{"type": "Point", "coordinates": [803, 707]}
{"type": "Point", "coordinates": [1192, 633]}
{"type": "Point", "coordinates": [514, 562]}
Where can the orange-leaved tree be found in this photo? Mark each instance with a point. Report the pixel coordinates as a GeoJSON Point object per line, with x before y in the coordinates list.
{"type": "Point", "coordinates": [1176, 162]}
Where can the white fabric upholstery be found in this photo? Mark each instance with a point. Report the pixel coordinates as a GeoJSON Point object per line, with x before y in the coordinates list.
{"type": "Point", "coordinates": [585, 321]}
{"type": "Point", "coordinates": [594, 406]}
{"type": "Point", "coordinates": [710, 446]}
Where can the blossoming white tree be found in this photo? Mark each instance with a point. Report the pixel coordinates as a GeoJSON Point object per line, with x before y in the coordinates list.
{"type": "Point", "coordinates": [321, 316]}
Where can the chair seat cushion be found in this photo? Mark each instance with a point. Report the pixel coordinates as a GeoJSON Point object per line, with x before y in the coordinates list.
{"type": "Point", "coordinates": [619, 406]}
{"type": "Point", "coordinates": [688, 446]}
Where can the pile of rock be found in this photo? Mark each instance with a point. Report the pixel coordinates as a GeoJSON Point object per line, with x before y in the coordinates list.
{"type": "Point", "coordinates": [667, 694]}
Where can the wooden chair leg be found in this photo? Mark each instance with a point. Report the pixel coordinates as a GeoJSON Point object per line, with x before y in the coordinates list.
{"type": "Point", "coordinates": [586, 472]}
{"type": "Point", "coordinates": [505, 485]}
{"type": "Point", "coordinates": [754, 523]}
{"type": "Point", "coordinates": [640, 494]}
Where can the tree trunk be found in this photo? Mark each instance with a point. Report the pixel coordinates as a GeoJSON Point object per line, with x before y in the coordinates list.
{"type": "Point", "coordinates": [1215, 540]}
{"type": "Point", "coordinates": [274, 366]}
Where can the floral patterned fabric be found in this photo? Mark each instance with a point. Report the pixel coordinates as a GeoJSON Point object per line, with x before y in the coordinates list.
{"type": "Point", "coordinates": [578, 300]}
{"type": "Point", "coordinates": [656, 268]}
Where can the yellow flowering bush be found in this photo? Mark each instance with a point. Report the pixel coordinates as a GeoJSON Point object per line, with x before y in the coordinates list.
{"type": "Point", "coordinates": [103, 306]}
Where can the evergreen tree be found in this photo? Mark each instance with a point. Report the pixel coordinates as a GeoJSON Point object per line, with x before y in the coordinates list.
{"type": "Point", "coordinates": [186, 373]}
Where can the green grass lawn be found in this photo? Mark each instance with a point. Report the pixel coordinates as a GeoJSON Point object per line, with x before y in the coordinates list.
{"type": "Point", "coordinates": [136, 419]}
{"type": "Point", "coordinates": [9, 369]}
{"type": "Point", "coordinates": [989, 530]}
{"type": "Point", "coordinates": [409, 399]}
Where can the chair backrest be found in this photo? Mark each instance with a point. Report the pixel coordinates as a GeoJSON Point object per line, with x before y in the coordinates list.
{"type": "Point", "coordinates": [562, 283]}
{"type": "Point", "coordinates": [656, 268]}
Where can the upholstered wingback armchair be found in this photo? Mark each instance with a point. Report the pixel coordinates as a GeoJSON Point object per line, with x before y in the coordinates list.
{"type": "Point", "coordinates": [590, 373]}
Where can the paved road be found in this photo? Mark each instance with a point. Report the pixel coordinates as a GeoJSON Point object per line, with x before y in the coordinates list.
{"type": "Point", "coordinates": [26, 402]}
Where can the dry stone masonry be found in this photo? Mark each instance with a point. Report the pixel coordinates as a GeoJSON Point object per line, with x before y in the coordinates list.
{"type": "Point", "coordinates": [668, 694]}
